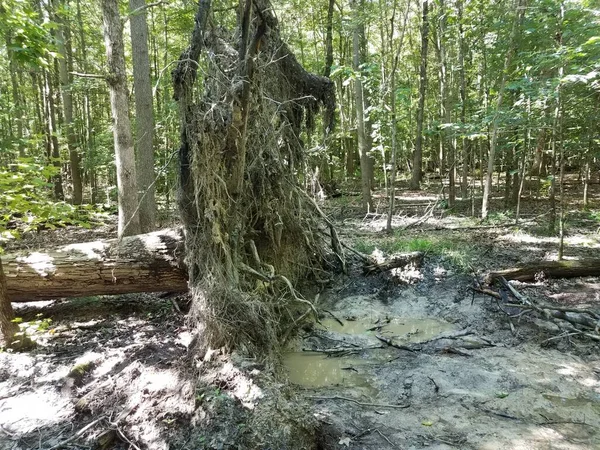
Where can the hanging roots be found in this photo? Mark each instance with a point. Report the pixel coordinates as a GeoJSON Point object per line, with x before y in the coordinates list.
{"type": "Point", "coordinates": [251, 232]}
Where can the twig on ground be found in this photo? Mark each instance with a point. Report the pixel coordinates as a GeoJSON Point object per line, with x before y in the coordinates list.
{"type": "Point", "coordinates": [456, 351]}
{"type": "Point", "coordinates": [78, 434]}
{"type": "Point", "coordinates": [347, 399]}
{"type": "Point", "coordinates": [385, 437]}
{"type": "Point", "coordinates": [334, 316]}
{"type": "Point", "coordinates": [126, 439]}
{"type": "Point", "coordinates": [389, 342]}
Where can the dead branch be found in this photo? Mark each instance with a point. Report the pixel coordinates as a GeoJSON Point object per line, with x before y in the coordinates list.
{"type": "Point", "coordinates": [347, 399]}
{"type": "Point", "coordinates": [548, 269]}
{"type": "Point", "coordinates": [585, 322]}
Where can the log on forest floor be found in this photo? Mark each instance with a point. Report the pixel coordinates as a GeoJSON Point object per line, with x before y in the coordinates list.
{"type": "Point", "coordinates": [150, 262]}
{"type": "Point", "coordinates": [548, 269]}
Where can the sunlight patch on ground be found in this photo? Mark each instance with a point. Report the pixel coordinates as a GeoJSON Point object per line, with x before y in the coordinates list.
{"type": "Point", "coordinates": [541, 438]}
{"type": "Point", "coordinates": [525, 238]}
{"type": "Point", "coordinates": [242, 387]}
{"type": "Point", "coordinates": [24, 413]}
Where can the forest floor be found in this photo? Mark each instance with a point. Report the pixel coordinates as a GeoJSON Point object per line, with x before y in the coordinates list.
{"type": "Point", "coordinates": [114, 372]}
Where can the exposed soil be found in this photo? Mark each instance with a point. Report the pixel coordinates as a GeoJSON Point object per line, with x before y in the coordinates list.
{"type": "Point", "coordinates": [115, 372]}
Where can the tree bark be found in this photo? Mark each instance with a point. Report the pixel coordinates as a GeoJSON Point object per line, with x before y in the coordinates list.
{"type": "Point", "coordinates": [329, 40]}
{"type": "Point", "coordinates": [8, 328]}
{"type": "Point", "coordinates": [464, 184]}
{"type": "Point", "coordinates": [394, 118]}
{"type": "Point", "coordinates": [16, 96]}
{"type": "Point", "coordinates": [366, 166]}
{"type": "Point", "coordinates": [52, 145]}
{"type": "Point", "coordinates": [549, 269]}
{"type": "Point", "coordinates": [519, 4]}
{"type": "Point", "coordinates": [67, 103]}
{"type": "Point", "coordinates": [415, 181]}
{"type": "Point", "coordinates": [129, 223]}
{"type": "Point", "coordinates": [150, 262]}
{"type": "Point", "coordinates": [144, 115]}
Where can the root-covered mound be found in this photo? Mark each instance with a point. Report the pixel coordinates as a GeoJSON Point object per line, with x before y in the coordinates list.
{"type": "Point", "coordinates": [251, 232]}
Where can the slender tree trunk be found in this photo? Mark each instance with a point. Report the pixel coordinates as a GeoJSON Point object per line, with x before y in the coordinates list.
{"type": "Point", "coordinates": [558, 136]}
{"type": "Point", "coordinates": [329, 40]}
{"type": "Point", "coordinates": [363, 141]}
{"type": "Point", "coordinates": [520, 5]}
{"type": "Point", "coordinates": [129, 223]}
{"type": "Point", "coordinates": [52, 143]}
{"type": "Point", "coordinates": [87, 133]}
{"type": "Point", "coordinates": [463, 101]}
{"type": "Point", "coordinates": [8, 328]}
{"type": "Point", "coordinates": [67, 103]}
{"type": "Point", "coordinates": [415, 181]}
{"type": "Point", "coordinates": [447, 147]}
{"type": "Point", "coordinates": [144, 116]}
{"type": "Point", "coordinates": [16, 97]}
{"type": "Point", "coordinates": [394, 124]}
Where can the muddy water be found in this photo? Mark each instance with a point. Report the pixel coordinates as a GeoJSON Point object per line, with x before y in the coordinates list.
{"type": "Point", "coordinates": [578, 402]}
{"type": "Point", "coordinates": [404, 330]}
{"type": "Point", "coordinates": [317, 370]}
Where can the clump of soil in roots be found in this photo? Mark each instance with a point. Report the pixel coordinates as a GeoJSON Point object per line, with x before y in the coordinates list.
{"type": "Point", "coordinates": [251, 232]}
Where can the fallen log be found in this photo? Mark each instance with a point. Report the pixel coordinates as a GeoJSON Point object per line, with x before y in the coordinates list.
{"type": "Point", "coordinates": [150, 262]}
{"type": "Point", "coordinates": [396, 261]}
{"type": "Point", "coordinates": [549, 269]}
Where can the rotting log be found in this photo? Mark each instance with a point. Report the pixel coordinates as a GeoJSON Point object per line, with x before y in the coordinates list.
{"type": "Point", "coordinates": [549, 269]}
{"type": "Point", "coordinates": [396, 261]}
{"type": "Point", "coordinates": [150, 262]}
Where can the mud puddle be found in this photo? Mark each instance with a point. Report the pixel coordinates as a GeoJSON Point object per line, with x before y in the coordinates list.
{"type": "Point", "coordinates": [316, 370]}
{"type": "Point", "coordinates": [313, 369]}
{"type": "Point", "coordinates": [510, 394]}
{"type": "Point", "coordinates": [404, 330]}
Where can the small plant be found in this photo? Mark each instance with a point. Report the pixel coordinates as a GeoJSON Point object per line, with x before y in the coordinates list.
{"type": "Point", "coordinates": [454, 250]}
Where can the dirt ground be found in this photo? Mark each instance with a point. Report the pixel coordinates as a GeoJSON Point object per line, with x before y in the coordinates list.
{"type": "Point", "coordinates": [115, 372]}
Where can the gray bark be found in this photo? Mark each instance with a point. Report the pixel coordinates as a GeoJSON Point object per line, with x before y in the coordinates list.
{"type": "Point", "coordinates": [67, 103]}
{"type": "Point", "coordinates": [144, 115]}
{"type": "Point", "coordinates": [129, 223]}
{"type": "Point", "coordinates": [487, 189]}
{"type": "Point", "coordinates": [366, 167]}
{"type": "Point", "coordinates": [415, 181]}
{"type": "Point", "coordinates": [8, 328]}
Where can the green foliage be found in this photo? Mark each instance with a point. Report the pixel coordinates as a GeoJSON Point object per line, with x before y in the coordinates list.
{"type": "Point", "coordinates": [456, 251]}
{"type": "Point", "coordinates": [26, 204]}
{"type": "Point", "coordinates": [29, 37]}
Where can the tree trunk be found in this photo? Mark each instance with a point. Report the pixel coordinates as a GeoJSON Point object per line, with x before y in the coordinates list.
{"type": "Point", "coordinates": [415, 181]}
{"type": "Point", "coordinates": [129, 223]}
{"type": "Point", "coordinates": [16, 96]}
{"type": "Point", "coordinates": [52, 145]}
{"type": "Point", "coordinates": [8, 328]}
{"type": "Point", "coordinates": [366, 166]}
{"type": "Point", "coordinates": [463, 101]}
{"type": "Point", "coordinates": [394, 124]}
{"type": "Point", "coordinates": [329, 40]}
{"type": "Point", "coordinates": [549, 269]}
{"type": "Point", "coordinates": [150, 262]}
{"type": "Point", "coordinates": [487, 189]}
{"type": "Point", "coordinates": [67, 103]}
{"type": "Point", "coordinates": [144, 115]}
{"type": "Point", "coordinates": [447, 150]}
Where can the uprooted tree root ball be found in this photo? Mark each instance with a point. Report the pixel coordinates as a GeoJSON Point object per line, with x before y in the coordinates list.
{"type": "Point", "coordinates": [251, 232]}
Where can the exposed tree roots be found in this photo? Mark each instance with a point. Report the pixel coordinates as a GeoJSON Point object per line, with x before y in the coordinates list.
{"type": "Point", "coordinates": [251, 232]}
